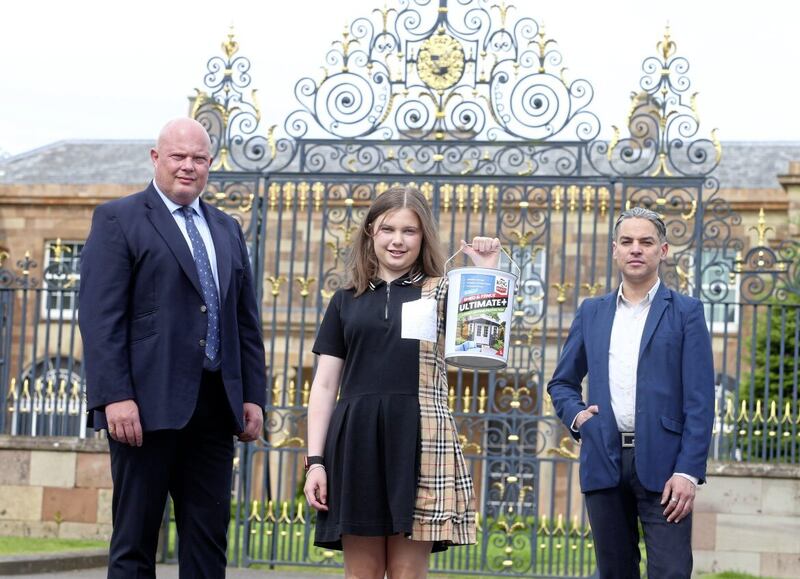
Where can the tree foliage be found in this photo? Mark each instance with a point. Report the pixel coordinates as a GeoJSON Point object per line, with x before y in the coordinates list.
{"type": "Point", "coordinates": [775, 345]}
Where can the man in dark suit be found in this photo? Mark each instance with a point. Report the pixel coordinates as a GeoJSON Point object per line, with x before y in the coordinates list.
{"type": "Point", "coordinates": [174, 357]}
{"type": "Point", "coordinates": [645, 427]}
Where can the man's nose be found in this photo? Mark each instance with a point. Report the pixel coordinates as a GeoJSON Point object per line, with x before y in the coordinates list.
{"type": "Point", "coordinates": [187, 164]}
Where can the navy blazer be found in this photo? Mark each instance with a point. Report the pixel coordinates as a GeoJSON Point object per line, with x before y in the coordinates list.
{"type": "Point", "coordinates": [674, 391]}
{"type": "Point", "coordinates": [142, 317]}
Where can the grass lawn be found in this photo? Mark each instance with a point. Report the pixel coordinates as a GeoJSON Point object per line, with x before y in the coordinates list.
{"type": "Point", "coordinates": [25, 545]}
{"type": "Point", "coordinates": [30, 545]}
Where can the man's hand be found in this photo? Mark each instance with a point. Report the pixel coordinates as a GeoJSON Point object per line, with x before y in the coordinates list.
{"type": "Point", "coordinates": [253, 422]}
{"type": "Point", "coordinates": [678, 495]}
{"type": "Point", "coordinates": [123, 422]}
{"type": "Point", "coordinates": [585, 415]}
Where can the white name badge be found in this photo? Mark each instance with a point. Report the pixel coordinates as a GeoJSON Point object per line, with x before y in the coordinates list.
{"type": "Point", "coordinates": [419, 320]}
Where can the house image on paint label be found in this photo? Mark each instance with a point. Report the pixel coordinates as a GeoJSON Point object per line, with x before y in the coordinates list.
{"type": "Point", "coordinates": [482, 329]}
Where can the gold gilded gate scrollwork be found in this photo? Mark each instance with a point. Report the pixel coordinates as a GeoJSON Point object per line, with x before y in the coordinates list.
{"type": "Point", "coordinates": [440, 61]}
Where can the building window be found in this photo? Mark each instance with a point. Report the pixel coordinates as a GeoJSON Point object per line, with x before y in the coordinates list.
{"type": "Point", "coordinates": [532, 280]}
{"type": "Point", "coordinates": [720, 291]}
{"type": "Point", "coordinates": [61, 274]}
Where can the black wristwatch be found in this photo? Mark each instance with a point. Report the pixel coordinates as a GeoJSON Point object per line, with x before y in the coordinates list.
{"type": "Point", "coordinates": [310, 460]}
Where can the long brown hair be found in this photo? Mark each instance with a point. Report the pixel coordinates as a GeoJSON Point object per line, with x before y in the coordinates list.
{"type": "Point", "coordinates": [362, 265]}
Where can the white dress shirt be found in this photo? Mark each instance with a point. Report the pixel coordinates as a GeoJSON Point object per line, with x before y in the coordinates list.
{"type": "Point", "coordinates": [623, 356]}
{"type": "Point", "coordinates": [202, 227]}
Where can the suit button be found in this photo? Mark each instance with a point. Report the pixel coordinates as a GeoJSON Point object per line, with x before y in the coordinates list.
{"type": "Point", "coordinates": [202, 343]}
{"type": "Point", "coordinates": [203, 308]}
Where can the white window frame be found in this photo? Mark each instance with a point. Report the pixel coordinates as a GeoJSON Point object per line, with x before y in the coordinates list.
{"type": "Point", "coordinates": [533, 266]}
{"type": "Point", "coordinates": [58, 311]}
{"type": "Point", "coordinates": [719, 326]}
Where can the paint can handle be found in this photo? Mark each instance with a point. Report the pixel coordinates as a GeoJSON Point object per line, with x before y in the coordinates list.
{"type": "Point", "coordinates": [460, 249]}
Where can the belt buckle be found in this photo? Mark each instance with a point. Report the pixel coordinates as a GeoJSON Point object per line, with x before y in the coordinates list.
{"type": "Point", "coordinates": [628, 439]}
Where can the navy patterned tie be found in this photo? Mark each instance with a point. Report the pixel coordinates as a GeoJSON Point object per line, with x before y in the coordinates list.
{"type": "Point", "coordinates": [206, 283]}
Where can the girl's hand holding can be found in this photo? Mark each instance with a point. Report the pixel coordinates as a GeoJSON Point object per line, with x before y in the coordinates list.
{"type": "Point", "coordinates": [484, 251]}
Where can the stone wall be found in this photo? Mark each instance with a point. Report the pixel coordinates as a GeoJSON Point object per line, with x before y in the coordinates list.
{"type": "Point", "coordinates": [55, 487]}
{"type": "Point", "coordinates": [747, 518]}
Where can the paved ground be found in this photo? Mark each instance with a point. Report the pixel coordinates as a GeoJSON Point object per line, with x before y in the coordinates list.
{"type": "Point", "coordinates": [171, 572]}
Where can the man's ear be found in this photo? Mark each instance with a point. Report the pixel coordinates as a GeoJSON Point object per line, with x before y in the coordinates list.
{"type": "Point", "coordinates": [153, 156]}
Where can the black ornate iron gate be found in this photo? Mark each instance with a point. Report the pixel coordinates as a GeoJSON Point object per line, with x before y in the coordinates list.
{"type": "Point", "coordinates": [475, 109]}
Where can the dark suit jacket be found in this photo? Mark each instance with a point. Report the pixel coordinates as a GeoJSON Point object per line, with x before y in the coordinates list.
{"type": "Point", "coordinates": [142, 320]}
{"type": "Point", "coordinates": [674, 391]}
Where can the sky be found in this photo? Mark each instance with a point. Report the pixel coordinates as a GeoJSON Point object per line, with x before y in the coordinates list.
{"type": "Point", "coordinates": [101, 69]}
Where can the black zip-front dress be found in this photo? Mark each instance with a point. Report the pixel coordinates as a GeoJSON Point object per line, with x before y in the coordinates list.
{"type": "Point", "coordinates": [392, 457]}
{"type": "Point", "coordinates": [371, 446]}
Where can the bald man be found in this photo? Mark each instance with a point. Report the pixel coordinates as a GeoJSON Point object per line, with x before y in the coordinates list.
{"type": "Point", "coordinates": [174, 357]}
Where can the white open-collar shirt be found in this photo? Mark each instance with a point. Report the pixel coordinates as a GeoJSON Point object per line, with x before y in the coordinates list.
{"type": "Point", "coordinates": [623, 355]}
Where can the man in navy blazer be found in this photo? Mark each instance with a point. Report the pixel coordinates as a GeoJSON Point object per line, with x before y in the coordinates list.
{"type": "Point", "coordinates": [645, 427]}
{"type": "Point", "coordinates": [174, 357]}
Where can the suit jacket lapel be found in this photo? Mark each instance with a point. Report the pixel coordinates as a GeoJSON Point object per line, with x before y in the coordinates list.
{"type": "Point", "coordinates": [605, 314]}
{"type": "Point", "coordinates": [165, 225]}
{"type": "Point", "coordinates": [222, 247]}
{"type": "Point", "coordinates": [657, 308]}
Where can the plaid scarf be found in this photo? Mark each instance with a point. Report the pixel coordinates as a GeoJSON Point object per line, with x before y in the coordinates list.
{"type": "Point", "coordinates": [445, 506]}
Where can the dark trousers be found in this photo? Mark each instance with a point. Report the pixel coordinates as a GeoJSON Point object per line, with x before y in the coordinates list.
{"type": "Point", "coordinates": [193, 465]}
{"type": "Point", "coordinates": [615, 514]}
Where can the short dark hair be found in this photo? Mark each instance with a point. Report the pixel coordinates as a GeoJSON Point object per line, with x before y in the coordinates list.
{"type": "Point", "coordinates": [642, 213]}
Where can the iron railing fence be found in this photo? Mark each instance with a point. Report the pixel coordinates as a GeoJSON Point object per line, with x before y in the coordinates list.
{"type": "Point", "coordinates": [756, 346]}
{"type": "Point", "coordinates": [757, 359]}
{"type": "Point", "coordinates": [41, 372]}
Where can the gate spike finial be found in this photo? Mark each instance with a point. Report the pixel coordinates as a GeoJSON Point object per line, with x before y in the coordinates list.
{"type": "Point", "coordinates": [666, 46]}
{"type": "Point", "coordinates": [230, 46]}
{"type": "Point", "coordinates": [762, 229]}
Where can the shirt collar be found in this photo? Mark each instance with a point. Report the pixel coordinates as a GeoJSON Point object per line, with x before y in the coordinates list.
{"type": "Point", "coordinates": [648, 299]}
{"type": "Point", "coordinates": [405, 279]}
{"type": "Point", "coordinates": [172, 206]}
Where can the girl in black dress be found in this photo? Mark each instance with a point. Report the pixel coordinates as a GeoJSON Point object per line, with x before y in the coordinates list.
{"type": "Point", "coordinates": [385, 470]}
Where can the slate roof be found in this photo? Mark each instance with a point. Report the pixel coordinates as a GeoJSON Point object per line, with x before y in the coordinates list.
{"type": "Point", "coordinates": [755, 164]}
{"type": "Point", "coordinates": [81, 162]}
{"type": "Point", "coordinates": [745, 164]}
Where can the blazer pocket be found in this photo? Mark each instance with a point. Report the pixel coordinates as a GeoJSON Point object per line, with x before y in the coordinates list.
{"type": "Point", "coordinates": [591, 434]}
{"type": "Point", "coordinates": [675, 426]}
{"type": "Point", "coordinates": [144, 314]}
{"type": "Point", "coordinates": [586, 423]}
{"type": "Point", "coordinates": [144, 325]}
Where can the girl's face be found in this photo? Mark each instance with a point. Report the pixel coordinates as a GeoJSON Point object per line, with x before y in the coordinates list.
{"type": "Point", "coordinates": [397, 240]}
